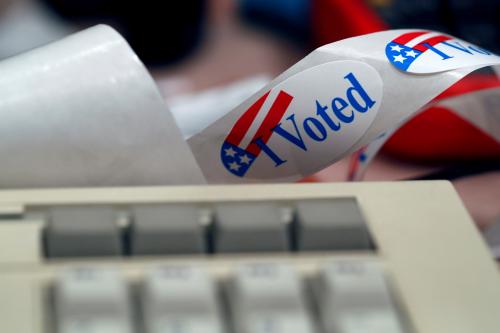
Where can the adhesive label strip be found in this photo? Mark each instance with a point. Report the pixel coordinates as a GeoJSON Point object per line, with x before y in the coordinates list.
{"type": "Point", "coordinates": [481, 108]}
{"type": "Point", "coordinates": [336, 100]}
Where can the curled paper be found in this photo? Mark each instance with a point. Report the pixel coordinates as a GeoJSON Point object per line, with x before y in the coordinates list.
{"type": "Point", "coordinates": [85, 112]}
{"type": "Point", "coordinates": [336, 100]}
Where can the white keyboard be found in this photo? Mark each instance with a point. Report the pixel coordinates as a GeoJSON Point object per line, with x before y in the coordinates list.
{"type": "Point", "coordinates": [312, 258]}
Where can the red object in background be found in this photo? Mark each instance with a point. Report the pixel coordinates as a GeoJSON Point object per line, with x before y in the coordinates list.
{"type": "Point", "coordinates": [438, 134]}
{"type": "Point", "coordinates": [434, 135]}
{"type": "Point", "coordinates": [339, 19]}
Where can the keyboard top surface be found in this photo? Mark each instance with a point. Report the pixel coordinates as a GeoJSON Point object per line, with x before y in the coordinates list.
{"type": "Point", "coordinates": [424, 237]}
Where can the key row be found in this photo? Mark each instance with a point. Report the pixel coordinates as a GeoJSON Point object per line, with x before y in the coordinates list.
{"type": "Point", "coordinates": [349, 297]}
{"type": "Point", "coordinates": [163, 229]}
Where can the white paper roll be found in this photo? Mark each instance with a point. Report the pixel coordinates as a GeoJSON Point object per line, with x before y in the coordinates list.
{"type": "Point", "coordinates": [84, 111]}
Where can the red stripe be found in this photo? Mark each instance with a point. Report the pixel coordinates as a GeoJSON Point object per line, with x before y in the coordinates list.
{"type": "Point", "coordinates": [243, 124]}
{"type": "Point", "coordinates": [272, 119]}
{"type": "Point", "coordinates": [431, 41]}
{"type": "Point", "coordinates": [403, 39]}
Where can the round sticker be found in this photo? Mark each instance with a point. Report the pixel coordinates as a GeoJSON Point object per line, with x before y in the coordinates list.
{"type": "Point", "coordinates": [304, 123]}
{"type": "Point", "coordinates": [424, 52]}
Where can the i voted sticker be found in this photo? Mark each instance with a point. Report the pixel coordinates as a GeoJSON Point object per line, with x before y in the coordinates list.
{"type": "Point", "coordinates": [424, 52]}
{"type": "Point", "coordinates": [304, 123]}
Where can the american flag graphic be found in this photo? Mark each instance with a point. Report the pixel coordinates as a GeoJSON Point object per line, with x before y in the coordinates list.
{"type": "Point", "coordinates": [236, 156]}
{"type": "Point", "coordinates": [405, 49]}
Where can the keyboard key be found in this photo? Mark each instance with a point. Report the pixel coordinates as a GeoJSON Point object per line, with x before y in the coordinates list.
{"type": "Point", "coordinates": [83, 231]}
{"type": "Point", "coordinates": [89, 300]}
{"type": "Point", "coordinates": [167, 229]}
{"type": "Point", "coordinates": [180, 299]}
{"type": "Point", "coordinates": [250, 227]}
{"type": "Point", "coordinates": [335, 224]}
{"type": "Point", "coordinates": [268, 298]}
{"type": "Point", "coordinates": [354, 298]}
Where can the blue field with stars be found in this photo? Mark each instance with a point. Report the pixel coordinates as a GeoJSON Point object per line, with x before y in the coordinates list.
{"type": "Point", "coordinates": [236, 160]}
{"type": "Point", "coordinates": [401, 56]}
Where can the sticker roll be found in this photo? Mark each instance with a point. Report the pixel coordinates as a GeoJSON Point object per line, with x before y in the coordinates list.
{"type": "Point", "coordinates": [337, 99]}
{"type": "Point", "coordinates": [84, 111]}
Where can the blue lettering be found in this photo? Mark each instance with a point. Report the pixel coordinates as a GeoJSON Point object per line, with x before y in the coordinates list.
{"type": "Point", "coordinates": [356, 99]}
{"type": "Point", "coordinates": [462, 48]}
{"type": "Point", "coordinates": [269, 152]}
{"type": "Point", "coordinates": [338, 104]}
{"type": "Point", "coordinates": [296, 140]}
{"type": "Point", "coordinates": [356, 87]}
{"type": "Point", "coordinates": [479, 50]}
{"type": "Point", "coordinates": [438, 52]}
{"type": "Point", "coordinates": [321, 111]}
{"type": "Point", "coordinates": [458, 46]}
{"type": "Point", "coordinates": [319, 134]}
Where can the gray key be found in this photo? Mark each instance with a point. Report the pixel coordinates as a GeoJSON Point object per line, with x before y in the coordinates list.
{"type": "Point", "coordinates": [167, 229]}
{"type": "Point", "coordinates": [180, 299]}
{"type": "Point", "coordinates": [355, 297]}
{"type": "Point", "coordinates": [83, 231]}
{"type": "Point", "coordinates": [335, 224]}
{"type": "Point", "coordinates": [250, 227]}
{"type": "Point", "coordinates": [92, 300]}
{"type": "Point", "coordinates": [268, 298]}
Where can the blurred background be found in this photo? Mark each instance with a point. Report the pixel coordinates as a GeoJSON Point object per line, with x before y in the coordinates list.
{"type": "Point", "coordinates": [215, 53]}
